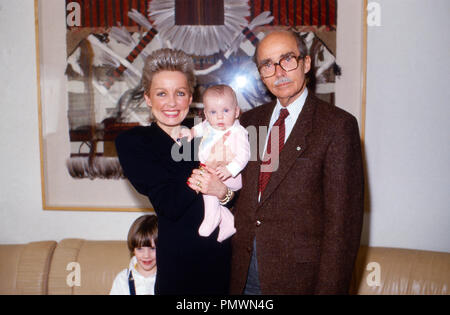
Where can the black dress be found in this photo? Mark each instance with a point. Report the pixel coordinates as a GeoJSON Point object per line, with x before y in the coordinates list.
{"type": "Point", "coordinates": [187, 263]}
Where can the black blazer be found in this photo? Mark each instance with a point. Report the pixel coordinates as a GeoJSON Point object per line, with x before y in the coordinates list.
{"type": "Point", "coordinates": [187, 263]}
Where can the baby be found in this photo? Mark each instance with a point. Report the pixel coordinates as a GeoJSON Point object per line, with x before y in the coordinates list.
{"type": "Point", "coordinates": [225, 148]}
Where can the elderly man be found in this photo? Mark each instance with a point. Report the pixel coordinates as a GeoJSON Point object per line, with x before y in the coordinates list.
{"type": "Point", "coordinates": [299, 213]}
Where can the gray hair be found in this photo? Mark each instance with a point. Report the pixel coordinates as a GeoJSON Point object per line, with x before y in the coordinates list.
{"type": "Point", "coordinates": [167, 59]}
{"type": "Point", "coordinates": [302, 48]}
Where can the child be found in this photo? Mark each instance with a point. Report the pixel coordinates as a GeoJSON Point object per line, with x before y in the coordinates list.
{"type": "Point", "coordinates": [225, 148]}
{"type": "Point", "coordinates": [139, 278]}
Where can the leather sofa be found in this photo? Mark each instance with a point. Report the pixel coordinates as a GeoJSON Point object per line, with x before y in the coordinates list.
{"type": "Point", "coordinates": [77, 266]}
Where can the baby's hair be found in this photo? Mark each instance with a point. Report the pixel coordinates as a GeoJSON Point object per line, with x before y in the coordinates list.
{"type": "Point", "coordinates": [220, 90]}
{"type": "Point", "coordinates": [143, 230]}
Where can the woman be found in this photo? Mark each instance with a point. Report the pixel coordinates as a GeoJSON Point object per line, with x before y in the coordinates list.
{"type": "Point", "coordinates": [150, 158]}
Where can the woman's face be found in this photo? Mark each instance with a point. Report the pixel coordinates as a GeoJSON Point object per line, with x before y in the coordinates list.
{"type": "Point", "coordinates": [169, 99]}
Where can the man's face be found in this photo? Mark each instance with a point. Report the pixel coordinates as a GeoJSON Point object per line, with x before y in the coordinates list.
{"type": "Point", "coordinates": [286, 86]}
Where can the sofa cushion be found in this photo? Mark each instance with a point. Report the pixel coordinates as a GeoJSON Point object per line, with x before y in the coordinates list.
{"type": "Point", "coordinates": [401, 272]}
{"type": "Point", "coordinates": [97, 262]}
{"type": "Point", "coordinates": [65, 253]}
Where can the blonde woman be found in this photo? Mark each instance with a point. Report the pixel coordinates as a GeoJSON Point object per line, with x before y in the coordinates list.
{"type": "Point", "coordinates": [187, 263]}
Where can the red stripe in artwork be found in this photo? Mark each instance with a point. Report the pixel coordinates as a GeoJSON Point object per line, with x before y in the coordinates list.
{"type": "Point", "coordinates": [258, 8]}
{"type": "Point", "coordinates": [306, 12]}
{"type": "Point", "coordinates": [110, 14]}
{"type": "Point", "coordinates": [133, 6]}
{"type": "Point", "coordinates": [117, 13]}
{"type": "Point", "coordinates": [87, 13]}
{"type": "Point", "coordinates": [332, 12]}
{"type": "Point", "coordinates": [298, 13]}
{"type": "Point", "coordinates": [127, 9]}
{"type": "Point", "coordinates": [118, 72]}
{"type": "Point", "coordinates": [102, 20]}
{"type": "Point", "coordinates": [283, 17]}
{"type": "Point", "coordinates": [276, 20]}
{"type": "Point", "coordinates": [324, 12]}
{"type": "Point", "coordinates": [285, 12]}
{"type": "Point", "coordinates": [125, 12]}
{"type": "Point", "coordinates": [291, 13]}
{"type": "Point", "coordinates": [267, 5]}
{"type": "Point", "coordinates": [315, 10]}
{"type": "Point", "coordinates": [253, 9]}
{"type": "Point", "coordinates": [250, 35]}
{"type": "Point", "coordinates": [94, 13]}
{"type": "Point", "coordinates": [138, 50]}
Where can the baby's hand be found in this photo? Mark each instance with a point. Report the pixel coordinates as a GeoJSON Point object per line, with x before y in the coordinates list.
{"type": "Point", "coordinates": [223, 173]}
{"type": "Point", "coordinates": [186, 133]}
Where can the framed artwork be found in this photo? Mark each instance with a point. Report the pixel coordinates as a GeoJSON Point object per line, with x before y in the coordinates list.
{"type": "Point", "coordinates": [90, 55]}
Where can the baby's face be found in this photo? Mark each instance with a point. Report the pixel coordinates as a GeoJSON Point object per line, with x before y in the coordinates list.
{"type": "Point", "coordinates": [220, 111]}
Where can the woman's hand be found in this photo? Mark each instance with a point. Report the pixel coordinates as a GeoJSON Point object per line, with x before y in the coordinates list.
{"type": "Point", "coordinates": [205, 181]}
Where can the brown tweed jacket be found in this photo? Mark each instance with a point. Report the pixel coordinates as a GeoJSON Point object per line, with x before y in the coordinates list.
{"type": "Point", "coordinates": [308, 223]}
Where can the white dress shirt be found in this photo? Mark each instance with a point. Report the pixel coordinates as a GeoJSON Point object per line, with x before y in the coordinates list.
{"type": "Point", "coordinates": [294, 110]}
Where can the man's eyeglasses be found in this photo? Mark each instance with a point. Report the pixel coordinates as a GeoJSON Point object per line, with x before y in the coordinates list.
{"type": "Point", "coordinates": [287, 63]}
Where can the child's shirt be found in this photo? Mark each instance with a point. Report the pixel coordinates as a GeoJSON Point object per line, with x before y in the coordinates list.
{"type": "Point", "coordinates": [237, 142]}
{"type": "Point", "coordinates": [143, 285]}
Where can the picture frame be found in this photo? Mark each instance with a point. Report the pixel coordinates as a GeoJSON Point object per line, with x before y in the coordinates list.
{"type": "Point", "coordinates": [64, 148]}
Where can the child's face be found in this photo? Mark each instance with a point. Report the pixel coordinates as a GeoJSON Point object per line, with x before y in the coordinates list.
{"type": "Point", "coordinates": [220, 111]}
{"type": "Point", "coordinates": [146, 260]}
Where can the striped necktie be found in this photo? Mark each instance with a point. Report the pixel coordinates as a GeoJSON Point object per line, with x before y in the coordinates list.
{"type": "Point", "coordinates": [265, 176]}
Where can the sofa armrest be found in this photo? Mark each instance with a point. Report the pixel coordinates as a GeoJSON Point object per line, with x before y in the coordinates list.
{"type": "Point", "coordinates": [24, 268]}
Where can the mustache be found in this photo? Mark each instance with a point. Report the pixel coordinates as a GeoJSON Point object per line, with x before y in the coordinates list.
{"type": "Point", "coordinates": [282, 80]}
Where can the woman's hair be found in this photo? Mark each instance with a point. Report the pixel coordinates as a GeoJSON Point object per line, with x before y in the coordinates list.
{"type": "Point", "coordinates": [164, 59]}
{"type": "Point", "coordinates": [170, 60]}
{"type": "Point", "coordinates": [143, 230]}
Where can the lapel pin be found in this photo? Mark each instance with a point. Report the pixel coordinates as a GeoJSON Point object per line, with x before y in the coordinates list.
{"type": "Point", "coordinates": [299, 148]}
